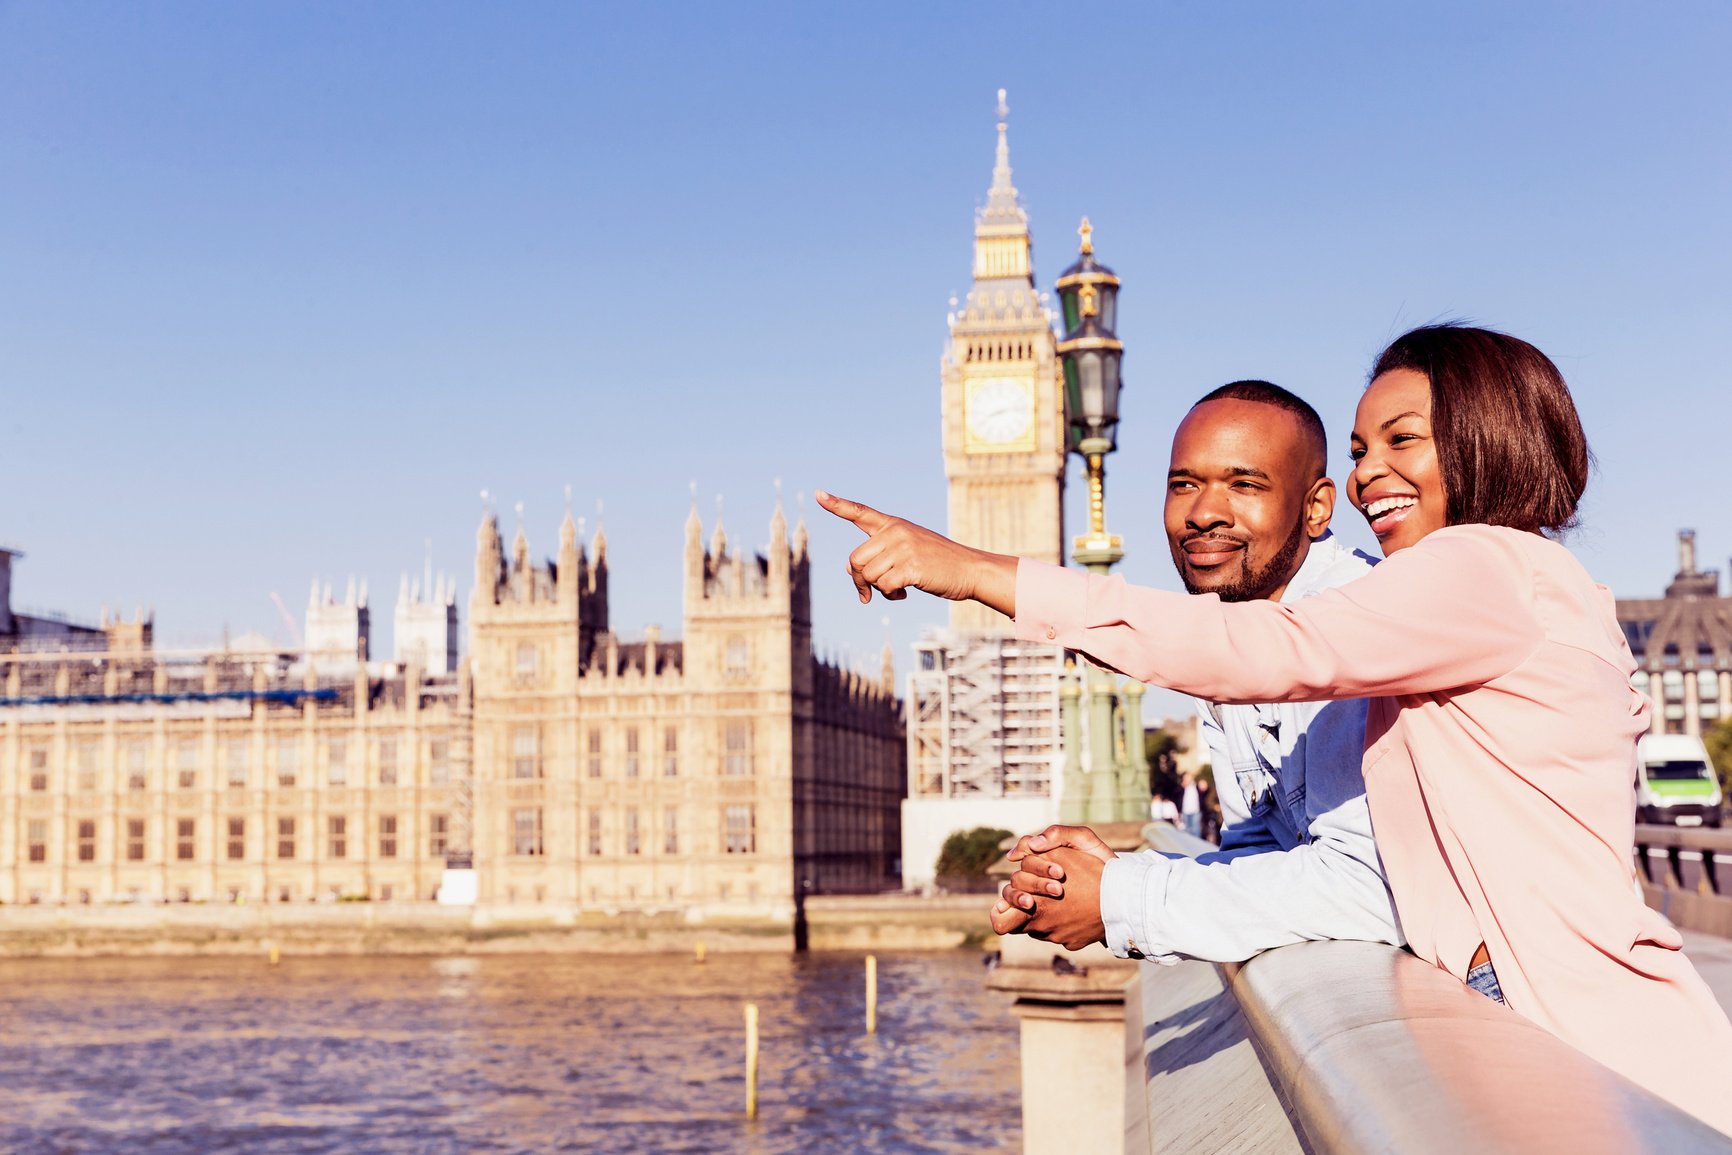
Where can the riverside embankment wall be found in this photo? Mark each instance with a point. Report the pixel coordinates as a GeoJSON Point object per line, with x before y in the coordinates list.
{"type": "Point", "coordinates": [876, 922]}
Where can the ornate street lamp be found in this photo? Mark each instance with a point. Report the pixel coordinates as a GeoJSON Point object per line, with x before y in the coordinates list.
{"type": "Point", "coordinates": [1108, 789]}
{"type": "Point", "coordinates": [1091, 354]}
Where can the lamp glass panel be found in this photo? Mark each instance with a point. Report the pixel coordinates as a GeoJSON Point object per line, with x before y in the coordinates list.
{"type": "Point", "coordinates": [1109, 387]}
{"type": "Point", "coordinates": [1089, 375]}
{"type": "Point", "coordinates": [1109, 308]}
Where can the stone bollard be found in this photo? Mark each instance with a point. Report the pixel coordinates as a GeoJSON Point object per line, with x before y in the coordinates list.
{"type": "Point", "coordinates": [1072, 1043]}
{"type": "Point", "coordinates": [1071, 1005]}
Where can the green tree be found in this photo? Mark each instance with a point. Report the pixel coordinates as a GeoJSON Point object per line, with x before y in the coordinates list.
{"type": "Point", "coordinates": [966, 854]}
{"type": "Point", "coordinates": [1718, 739]}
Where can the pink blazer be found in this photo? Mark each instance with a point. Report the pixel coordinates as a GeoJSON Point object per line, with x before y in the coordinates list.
{"type": "Point", "coordinates": [1499, 767]}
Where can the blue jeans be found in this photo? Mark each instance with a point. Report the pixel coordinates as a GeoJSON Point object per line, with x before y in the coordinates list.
{"type": "Point", "coordinates": [1194, 825]}
{"type": "Point", "coordinates": [1484, 980]}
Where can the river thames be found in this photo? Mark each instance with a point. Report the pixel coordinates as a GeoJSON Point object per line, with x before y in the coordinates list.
{"type": "Point", "coordinates": [609, 1053]}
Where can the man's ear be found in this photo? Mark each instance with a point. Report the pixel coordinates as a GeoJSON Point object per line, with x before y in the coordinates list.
{"type": "Point", "coordinates": [1319, 507]}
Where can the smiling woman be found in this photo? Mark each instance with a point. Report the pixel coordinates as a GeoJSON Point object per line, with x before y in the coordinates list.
{"type": "Point", "coordinates": [1396, 482]}
{"type": "Point", "coordinates": [1465, 426]}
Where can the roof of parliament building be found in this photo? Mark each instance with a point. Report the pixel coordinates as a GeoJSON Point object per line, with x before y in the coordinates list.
{"type": "Point", "coordinates": [1690, 627]}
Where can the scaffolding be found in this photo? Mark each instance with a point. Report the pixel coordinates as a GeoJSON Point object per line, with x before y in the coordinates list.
{"type": "Point", "coordinates": [984, 719]}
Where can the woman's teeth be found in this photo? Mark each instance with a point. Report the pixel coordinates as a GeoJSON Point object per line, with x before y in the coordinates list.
{"type": "Point", "coordinates": [1384, 504]}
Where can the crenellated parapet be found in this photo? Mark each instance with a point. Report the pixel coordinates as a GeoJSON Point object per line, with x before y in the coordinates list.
{"type": "Point", "coordinates": [722, 578]}
{"type": "Point", "coordinates": [536, 624]}
{"type": "Point", "coordinates": [574, 579]}
{"type": "Point", "coordinates": [651, 665]}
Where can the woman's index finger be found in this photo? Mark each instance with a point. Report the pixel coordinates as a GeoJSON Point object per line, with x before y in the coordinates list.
{"type": "Point", "coordinates": [868, 519]}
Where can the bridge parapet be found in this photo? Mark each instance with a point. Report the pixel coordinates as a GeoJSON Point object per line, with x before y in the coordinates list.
{"type": "Point", "coordinates": [1372, 1049]}
{"type": "Point", "coordinates": [1329, 1048]}
{"type": "Point", "coordinates": [1686, 888]}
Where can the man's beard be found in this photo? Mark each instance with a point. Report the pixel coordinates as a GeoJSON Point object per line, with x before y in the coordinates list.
{"type": "Point", "coordinates": [1255, 584]}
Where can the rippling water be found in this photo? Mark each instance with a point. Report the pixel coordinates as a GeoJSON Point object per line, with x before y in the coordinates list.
{"type": "Point", "coordinates": [502, 1053]}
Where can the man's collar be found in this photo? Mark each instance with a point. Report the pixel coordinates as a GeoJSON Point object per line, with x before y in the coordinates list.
{"type": "Point", "coordinates": [1321, 554]}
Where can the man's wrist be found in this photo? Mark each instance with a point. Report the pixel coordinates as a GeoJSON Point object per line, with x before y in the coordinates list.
{"type": "Point", "coordinates": [1118, 899]}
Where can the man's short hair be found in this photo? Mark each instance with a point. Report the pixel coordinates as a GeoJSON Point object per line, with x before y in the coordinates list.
{"type": "Point", "coordinates": [1269, 393]}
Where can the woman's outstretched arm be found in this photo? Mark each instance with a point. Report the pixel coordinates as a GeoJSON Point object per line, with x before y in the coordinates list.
{"type": "Point", "coordinates": [1455, 610]}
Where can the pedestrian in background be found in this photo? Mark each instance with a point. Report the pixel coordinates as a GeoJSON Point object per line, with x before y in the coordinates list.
{"type": "Point", "coordinates": [1191, 806]}
{"type": "Point", "coordinates": [1209, 811]}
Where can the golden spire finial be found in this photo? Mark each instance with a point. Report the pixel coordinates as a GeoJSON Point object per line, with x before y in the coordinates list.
{"type": "Point", "coordinates": [1087, 232]}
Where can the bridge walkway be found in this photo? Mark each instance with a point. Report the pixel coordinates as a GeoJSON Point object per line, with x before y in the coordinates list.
{"type": "Point", "coordinates": [1713, 957]}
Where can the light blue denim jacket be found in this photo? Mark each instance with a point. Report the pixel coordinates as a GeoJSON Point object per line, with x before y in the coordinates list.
{"type": "Point", "coordinates": [1296, 860]}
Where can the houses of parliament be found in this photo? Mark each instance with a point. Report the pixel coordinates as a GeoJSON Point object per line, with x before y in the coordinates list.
{"type": "Point", "coordinates": [557, 762]}
{"type": "Point", "coordinates": [724, 772]}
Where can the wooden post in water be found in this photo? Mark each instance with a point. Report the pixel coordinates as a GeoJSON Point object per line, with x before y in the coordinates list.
{"type": "Point", "coordinates": [274, 956]}
{"type": "Point", "coordinates": [871, 994]}
{"type": "Point", "coordinates": [699, 956]}
{"type": "Point", "coordinates": [751, 1060]}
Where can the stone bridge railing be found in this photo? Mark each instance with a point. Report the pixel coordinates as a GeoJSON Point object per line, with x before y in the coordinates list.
{"type": "Point", "coordinates": [1682, 880]}
{"type": "Point", "coordinates": [1325, 1047]}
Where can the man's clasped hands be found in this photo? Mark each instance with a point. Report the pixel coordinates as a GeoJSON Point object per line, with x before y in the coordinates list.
{"type": "Point", "coordinates": [1055, 894]}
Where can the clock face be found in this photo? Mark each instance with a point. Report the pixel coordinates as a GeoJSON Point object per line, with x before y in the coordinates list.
{"type": "Point", "coordinates": [1001, 413]}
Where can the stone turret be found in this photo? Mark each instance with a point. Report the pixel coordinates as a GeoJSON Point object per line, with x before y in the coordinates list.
{"type": "Point", "coordinates": [781, 558]}
{"type": "Point", "coordinates": [557, 608]}
{"type": "Point", "coordinates": [694, 556]}
{"type": "Point", "coordinates": [425, 623]}
{"type": "Point", "coordinates": [489, 561]}
{"type": "Point", "coordinates": [338, 633]}
{"type": "Point", "coordinates": [747, 613]}
{"type": "Point", "coordinates": [570, 563]}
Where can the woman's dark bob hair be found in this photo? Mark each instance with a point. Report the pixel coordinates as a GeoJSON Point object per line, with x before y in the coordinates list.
{"type": "Point", "coordinates": [1510, 445]}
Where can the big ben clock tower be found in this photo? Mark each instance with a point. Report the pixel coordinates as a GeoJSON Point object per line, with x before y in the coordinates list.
{"type": "Point", "coordinates": [1004, 446]}
{"type": "Point", "coordinates": [985, 733]}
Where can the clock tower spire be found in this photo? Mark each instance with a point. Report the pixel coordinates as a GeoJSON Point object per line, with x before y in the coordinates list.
{"type": "Point", "coordinates": [1004, 445]}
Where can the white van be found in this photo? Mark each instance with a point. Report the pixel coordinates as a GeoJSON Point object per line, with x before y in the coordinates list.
{"type": "Point", "coordinates": [1675, 782]}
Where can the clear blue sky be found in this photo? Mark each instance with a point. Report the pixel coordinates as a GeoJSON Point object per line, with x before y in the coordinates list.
{"type": "Point", "coordinates": [283, 287]}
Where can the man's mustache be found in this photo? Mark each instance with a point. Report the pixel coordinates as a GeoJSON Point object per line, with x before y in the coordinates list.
{"type": "Point", "coordinates": [1224, 538]}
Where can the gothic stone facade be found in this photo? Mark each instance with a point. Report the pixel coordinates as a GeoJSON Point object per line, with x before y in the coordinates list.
{"type": "Point", "coordinates": [131, 776]}
{"type": "Point", "coordinates": [723, 772]}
